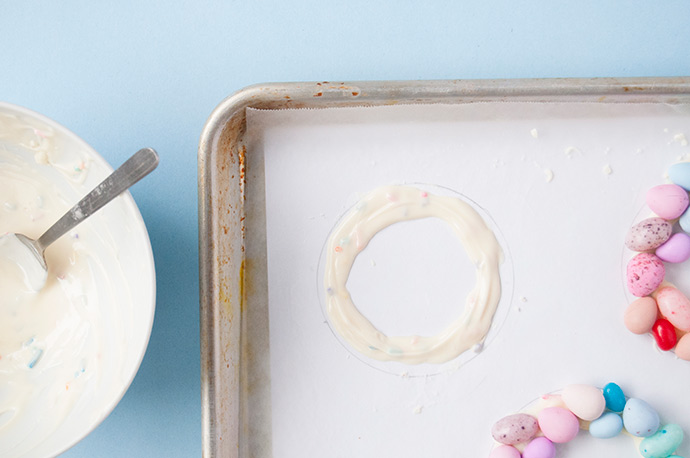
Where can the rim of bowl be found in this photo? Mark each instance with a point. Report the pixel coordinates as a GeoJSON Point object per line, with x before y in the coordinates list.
{"type": "Point", "coordinates": [139, 221]}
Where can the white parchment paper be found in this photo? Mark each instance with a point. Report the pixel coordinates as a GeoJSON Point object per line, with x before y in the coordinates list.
{"type": "Point", "coordinates": [562, 182]}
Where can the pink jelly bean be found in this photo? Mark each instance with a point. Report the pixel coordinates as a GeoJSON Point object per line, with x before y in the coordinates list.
{"type": "Point", "coordinates": [669, 201]}
{"type": "Point", "coordinates": [645, 273]}
{"type": "Point", "coordinates": [675, 249]}
{"type": "Point", "coordinates": [540, 447]}
{"type": "Point", "coordinates": [559, 425]}
{"type": "Point", "coordinates": [505, 451]}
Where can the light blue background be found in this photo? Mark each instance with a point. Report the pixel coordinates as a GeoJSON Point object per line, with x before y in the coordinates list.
{"type": "Point", "coordinates": [131, 73]}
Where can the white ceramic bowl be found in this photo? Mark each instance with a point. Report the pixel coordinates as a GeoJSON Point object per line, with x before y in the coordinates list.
{"type": "Point", "coordinates": [46, 409]}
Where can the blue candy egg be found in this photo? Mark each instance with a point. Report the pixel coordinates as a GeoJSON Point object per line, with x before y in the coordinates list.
{"type": "Point", "coordinates": [680, 174]}
{"type": "Point", "coordinates": [613, 394]}
{"type": "Point", "coordinates": [663, 443]}
{"type": "Point", "coordinates": [607, 426]}
{"type": "Point", "coordinates": [684, 221]}
{"type": "Point", "coordinates": [639, 418]}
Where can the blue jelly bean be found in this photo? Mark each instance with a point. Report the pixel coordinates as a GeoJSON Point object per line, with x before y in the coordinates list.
{"type": "Point", "coordinates": [680, 174]}
{"type": "Point", "coordinates": [607, 426]}
{"type": "Point", "coordinates": [615, 399]}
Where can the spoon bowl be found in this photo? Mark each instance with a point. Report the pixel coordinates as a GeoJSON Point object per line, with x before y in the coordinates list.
{"type": "Point", "coordinates": [29, 254]}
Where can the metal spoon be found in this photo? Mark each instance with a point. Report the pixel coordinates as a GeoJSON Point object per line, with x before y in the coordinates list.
{"type": "Point", "coordinates": [134, 169]}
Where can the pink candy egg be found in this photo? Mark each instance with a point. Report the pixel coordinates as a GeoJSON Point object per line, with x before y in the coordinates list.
{"type": "Point", "coordinates": [644, 274]}
{"type": "Point", "coordinates": [683, 347]}
{"type": "Point", "coordinates": [675, 249]}
{"type": "Point", "coordinates": [540, 447]}
{"type": "Point", "coordinates": [669, 201]}
{"type": "Point", "coordinates": [505, 451]}
{"type": "Point", "coordinates": [648, 234]}
{"type": "Point", "coordinates": [641, 315]}
{"type": "Point", "coordinates": [585, 401]}
{"type": "Point", "coordinates": [674, 306]}
{"type": "Point", "coordinates": [558, 425]}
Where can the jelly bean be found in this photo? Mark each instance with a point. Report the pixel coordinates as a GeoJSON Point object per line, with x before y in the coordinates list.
{"type": "Point", "coordinates": [640, 316]}
{"type": "Point", "coordinates": [585, 401]}
{"type": "Point", "coordinates": [680, 174]}
{"type": "Point", "coordinates": [505, 451]}
{"type": "Point", "coordinates": [648, 234]}
{"type": "Point", "coordinates": [515, 429]}
{"type": "Point", "coordinates": [663, 443]}
{"type": "Point", "coordinates": [615, 399]}
{"type": "Point", "coordinates": [683, 347]}
{"type": "Point", "coordinates": [665, 334]}
{"type": "Point", "coordinates": [674, 306]}
{"type": "Point", "coordinates": [558, 425]}
{"type": "Point", "coordinates": [644, 274]}
{"type": "Point", "coordinates": [540, 447]}
{"type": "Point", "coordinates": [676, 249]}
{"type": "Point", "coordinates": [668, 201]}
{"type": "Point", "coordinates": [639, 418]}
{"type": "Point", "coordinates": [607, 426]}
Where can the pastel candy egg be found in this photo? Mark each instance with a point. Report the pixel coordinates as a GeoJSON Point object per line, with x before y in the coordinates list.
{"type": "Point", "coordinates": [665, 334]}
{"type": "Point", "coordinates": [585, 401]}
{"type": "Point", "coordinates": [644, 274]}
{"type": "Point", "coordinates": [668, 201]}
{"type": "Point", "coordinates": [675, 249]}
{"type": "Point", "coordinates": [639, 418]}
{"type": "Point", "coordinates": [663, 443]}
{"type": "Point", "coordinates": [648, 234]}
{"type": "Point", "coordinates": [674, 306]}
{"type": "Point", "coordinates": [540, 447]}
{"type": "Point", "coordinates": [640, 317]}
{"type": "Point", "coordinates": [504, 451]}
{"type": "Point", "coordinates": [615, 398]}
{"type": "Point", "coordinates": [559, 425]}
{"type": "Point", "coordinates": [680, 174]}
{"type": "Point", "coordinates": [683, 348]}
{"type": "Point", "coordinates": [607, 426]}
{"type": "Point", "coordinates": [515, 429]}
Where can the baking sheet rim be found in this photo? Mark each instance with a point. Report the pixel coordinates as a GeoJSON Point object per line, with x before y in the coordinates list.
{"type": "Point", "coordinates": [221, 152]}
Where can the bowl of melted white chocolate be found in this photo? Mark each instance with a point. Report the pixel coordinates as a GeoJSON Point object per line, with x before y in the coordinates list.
{"type": "Point", "coordinates": [68, 352]}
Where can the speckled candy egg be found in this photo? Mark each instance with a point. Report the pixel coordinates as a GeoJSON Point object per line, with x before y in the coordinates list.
{"type": "Point", "coordinates": [504, 451]}
{"type": "Point", "coordinates": [540, 447]}
{"type": "Point", "coordinates": [607, 426]}
{"type": "Point", "coordinates": [663, 443]}
{"type": "Point", "coordinates": [585, 401]}
{"type": "Point", "coordinates": [674, 306]}
{"type": "Point", "coordinates": [683, 348]}
{"type": "Point", "coordinates": [639, 418]}
{"type": "Point", "coordinates": [668, 201]}
{"type": "Point", "coordinates": [676, 249]}
{"type": "Point", "coordinates": [644, 274]}
{"type": "Point", "coordinates": [648, 234]}
{"type": "Point", "coordinates": [515, 429]}
{"type": "Point", "coordinates": [558, 425]}
{"type": "Point", "coordinates": [640, 316]}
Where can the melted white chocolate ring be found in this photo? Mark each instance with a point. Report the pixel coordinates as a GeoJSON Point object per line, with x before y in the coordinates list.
{"type": "Point", "coordinates": [386, 206]}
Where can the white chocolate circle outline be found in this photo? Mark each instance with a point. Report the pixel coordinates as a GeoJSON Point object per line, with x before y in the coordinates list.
{"type": "Point", "coordinates": [381, 208]}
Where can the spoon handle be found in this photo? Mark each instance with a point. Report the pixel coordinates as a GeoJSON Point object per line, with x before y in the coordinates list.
{"type": "Point", "coordinates": [133, 170]}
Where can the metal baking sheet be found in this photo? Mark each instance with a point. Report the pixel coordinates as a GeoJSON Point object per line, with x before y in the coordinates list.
{"type": "Point", "coordinates": [275, 382]}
